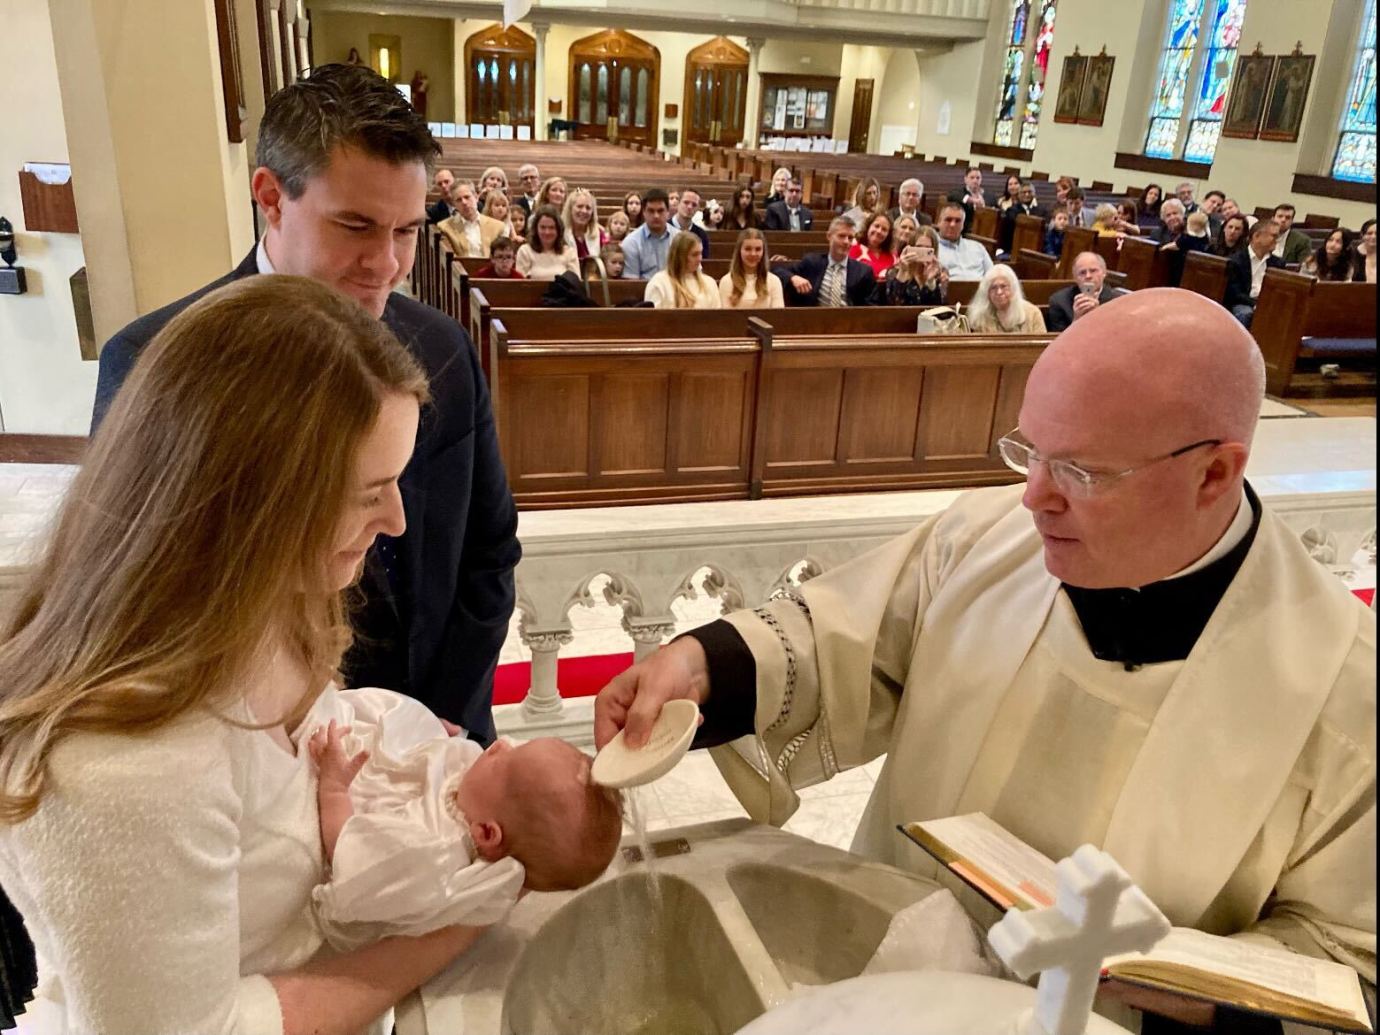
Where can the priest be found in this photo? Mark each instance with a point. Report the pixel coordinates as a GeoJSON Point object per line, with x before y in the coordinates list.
{"type": "Point", "coordinates": [1129, 651]}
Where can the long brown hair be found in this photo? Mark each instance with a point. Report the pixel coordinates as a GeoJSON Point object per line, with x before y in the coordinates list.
{"type": "Point", "coordinates": [678, 267]}
{"type": "Point", "coordinates": [199, 523]}
{"type": "Point", "coordinates": [738, 275]}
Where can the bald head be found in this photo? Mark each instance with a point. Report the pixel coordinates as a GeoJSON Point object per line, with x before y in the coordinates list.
{"type": "Point", "coordinates": [1161, 359]}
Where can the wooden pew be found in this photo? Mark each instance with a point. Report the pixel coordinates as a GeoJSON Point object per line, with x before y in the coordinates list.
{"type": "Point", "coordinates": [1143, 263]}
{"type": "Point", "coordinates": [1029, 233]}
{"type": "Point", "coordinates": [1296, 315]}
{"type": "Point", "coordinates": [1032, 264]}
{"type": "Point", "coordinates": [1206, 275]}
{"type": "Point", "coordinates": [1077, 239]}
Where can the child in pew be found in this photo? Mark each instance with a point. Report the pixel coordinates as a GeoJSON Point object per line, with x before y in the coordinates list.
{"type": "Point", "coordinates": [612, 255]}
{"type": "Point", "coordinates": [502, 262]}
{"type": "Point", "coordinates": [1196, 233]}
{"type": "Point", "coordinates": [1054, 236]}
{"type": "Point", "coordinates": [423, 830]}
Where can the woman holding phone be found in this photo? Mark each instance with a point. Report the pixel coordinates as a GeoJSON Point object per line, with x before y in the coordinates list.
{"type": "Point", "coordinates": [917, 278]}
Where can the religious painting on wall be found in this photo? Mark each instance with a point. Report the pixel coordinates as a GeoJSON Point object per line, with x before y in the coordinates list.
{"type": "Point", "coordinates": [1250, 85]}
{"type": "Point", "coordinates": [1288, 94]}
{"type": "Point", "coordinates": [1097, 84]}
{"type": "Point", "coordinates": [1070, 88]}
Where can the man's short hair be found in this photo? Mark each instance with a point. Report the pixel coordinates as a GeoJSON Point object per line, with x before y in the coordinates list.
{"type": "Point", "coordinates": [463, 183]}
{"type": "Point", "coordinates": [1182, 185]}
{"type": "Point", "coordinates": [912, 181]}
{"type": "Point", "coordinates": [656, 194]}
{"type": "Point", "coordinates": [339, 106]}
{"type": "Point", "coordinates": [501, 244]}
{"type": "Point", "coordinates": [1285, 207]}
{"type": "Point", "coordinates": [793, 182]}
{"type": "Point", "coordinates": [524, 167]}
{"type": "Point", "coordinates": [955, 206]}
{"type": "Point", "coordinates": [842, 221]}
{"type": "Point", "coordinates": [1075, 193]}
{"type": "Point", "coordinates": [1215, 193]}
{"type": "Point", "coordinates": [1095, 255]}
{"type": "Point", "coordinates": [1264, 226]}
{"type": "Point", "coordinates": [1171, 205]}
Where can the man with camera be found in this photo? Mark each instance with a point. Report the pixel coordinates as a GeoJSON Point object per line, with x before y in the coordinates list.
{"type": "Point", "coordinates": [1091, 291]}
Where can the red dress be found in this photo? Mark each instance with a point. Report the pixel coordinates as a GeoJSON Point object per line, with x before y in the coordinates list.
{"type": "Point", "coordinates": [880, 263]}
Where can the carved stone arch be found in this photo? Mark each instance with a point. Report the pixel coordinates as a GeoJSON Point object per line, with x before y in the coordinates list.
{"type": "Point", "coordinates": [716, 85]}
{"type": "Point", "coordinates": [620, 592]}
{"type": "Point", "coordinates": [500, 77]}
{"type": "Point", "coordinates": [788, 583]}
{"type": "Point", "coordinates": [720, 584]}
{"type": "Point", "coordinates": [615, 75]}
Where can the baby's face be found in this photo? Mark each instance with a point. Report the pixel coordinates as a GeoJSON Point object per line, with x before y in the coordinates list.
{"type": "Point", "coordinates": [550, 763]}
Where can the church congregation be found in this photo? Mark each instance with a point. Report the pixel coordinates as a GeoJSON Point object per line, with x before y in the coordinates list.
{"type": "Point", "coordinates": [255, 772]}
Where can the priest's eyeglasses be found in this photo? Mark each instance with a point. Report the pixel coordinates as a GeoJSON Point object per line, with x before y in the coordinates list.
{"type": "Point", "coordinates": [1071, 479]}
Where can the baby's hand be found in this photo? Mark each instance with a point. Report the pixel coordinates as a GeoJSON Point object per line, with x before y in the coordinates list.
{"type": "Point", "coordinates": [327, 748]}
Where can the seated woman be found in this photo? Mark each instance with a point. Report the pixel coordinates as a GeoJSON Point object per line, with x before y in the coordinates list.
{"type": "Point", "coordinates": [682, 285]}
{"type": "Point", "coordinates": [502, 264]}
{"type": "Point", "coordinates": [917, 278]}
{"type": "Point", "coordinates": [779, 181]}
{"type": "Point", "coordinates": [1011, 195]}
{"type": "Point", "coordinates": [1128, 217]}
{"type": "Point", "coordinates": [422, 830]}
{"type": "Point", "coordinates": [546, 255]}
{"type": "Point", "coordinates": [493, 178]}
{"type": "Point", "coordinates": [903, 233]}
{"type": "Point", "coordinates": [552, 192]}
{"type": "Point", "coordinates": [749, 284]}
{"type": "Point", "coordinates": [497, 206]}
{"type": "Point", "coordinates": [617, 228]}
{"type": "Point", "coordinates": [866, 197]}
{"type": "Point", "coordinates": [632, 208]}
{"type": "Point", "coordinates": [1231, 238]}
{"type": "Point", "coordinates": [1150, 201]}
{"type": "Point", "coordinates": [1363, 262]}
{"type": "Point", "coordinates": [1106, 221]}
{"type": "Point", "coordinates": [158, 830]}
{"type": "Point", "coordinates": [742, 211]}
{"type": "Point", "coordinates": [581, 219]}
{"type": "Point", "coordinates": [999, 307]}
{"type": "Point", "coordinates": [874, 245]}
{"type": "Point", "coordinates": [1332, 260]}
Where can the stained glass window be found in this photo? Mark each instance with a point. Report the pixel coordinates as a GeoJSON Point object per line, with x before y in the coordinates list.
{"type": "Point", "coordinates": [1355, 158]}
{"type": "Point", "coordinates": [1168, 106]}
{"type": "Point", "coordinates": [1213, 73]}
{"type": "Point", "coordinates": [1025, 65]}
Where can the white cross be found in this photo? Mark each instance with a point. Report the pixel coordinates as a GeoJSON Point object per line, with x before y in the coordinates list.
{"type": "Point", "coordinates": [1097, 913]}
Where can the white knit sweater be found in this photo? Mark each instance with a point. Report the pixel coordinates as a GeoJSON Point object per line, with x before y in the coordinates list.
{"type": "Point", "coordinates": [162, 876]}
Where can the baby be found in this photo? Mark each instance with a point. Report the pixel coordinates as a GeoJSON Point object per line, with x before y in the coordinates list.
{"type": "Point", "coordinates": [1197, 224]}
{"type": "Point", "coordinates": [423, 830]}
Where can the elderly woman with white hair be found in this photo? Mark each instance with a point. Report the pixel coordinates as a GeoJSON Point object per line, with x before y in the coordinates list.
{"type": "Point", "coordinates": [999, 306]}
{"type": "Point", "coordinates": [779, 181]}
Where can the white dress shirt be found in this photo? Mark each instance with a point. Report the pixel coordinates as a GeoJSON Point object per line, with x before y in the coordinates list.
{"type": "Point", "coordinates": [1257, 272]}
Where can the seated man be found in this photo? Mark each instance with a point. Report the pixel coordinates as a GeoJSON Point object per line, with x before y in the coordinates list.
{"type": "Point", "coordinates": [789, 214]}
{"type": "Point", "coordinates": [469, 231]}
{"type": "Point", "coordinates": [964, 258]}
{"type": "Point", "coordinates": [529, 177]}
{"type": "Point", "coordinates": [440, 209]}
{"type": "Point", "coordinates": [683, 220]}
{"type": "Point", "coordinates": [909, 195]}
{"type": "Point", "coordinates": [832, 278]}
{"type": "Point", "coordinates": [1025, 205]}
{"type": "Point", "coordinates": [1293, 246]}
{"type": "Point", "coordinates": [972, 195]}
{"type": "Point", "coordinates": [1246, 271]}
{"type": "Point", "coordinates": [1129, 650]}
{"type": "Point", "coordinates": [645, 249]}
{"type": "Point", "coordinates": [1070, 303]}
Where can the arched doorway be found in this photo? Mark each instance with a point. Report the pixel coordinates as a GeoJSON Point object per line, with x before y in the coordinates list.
{"type": "Point", "coordinates": [614, 75]}
{"type": "Point", "coordinates": [500, 77]}
{"type": "Point", "coordinates": [716, 79]}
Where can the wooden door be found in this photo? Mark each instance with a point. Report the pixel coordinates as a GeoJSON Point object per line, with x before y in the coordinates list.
{"type": "Point", "coordinates": [861, 120]}
{"type": "Point", "coordinates": [614, 81]}
{"type": "Point", "coordinates": [500, 71]}
{"type": "Point", "coordinates": [716, 78]}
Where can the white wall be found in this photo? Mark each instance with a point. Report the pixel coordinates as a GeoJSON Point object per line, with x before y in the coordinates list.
{"type": "Point", "coordinates": [45, 386]}
{"type": "Point", "coordinates": [950, 79]}
{"type": "Point", "coordinates": [898, 111]}
{"type": "Point", "coordinates": [427, 44]}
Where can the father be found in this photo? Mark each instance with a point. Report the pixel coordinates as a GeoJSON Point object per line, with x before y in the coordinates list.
{"type": "Point", "coordinates": [341, 182]}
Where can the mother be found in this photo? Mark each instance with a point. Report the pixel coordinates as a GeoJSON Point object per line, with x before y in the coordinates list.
{"type": "Point", "coordinates": [158, 833]}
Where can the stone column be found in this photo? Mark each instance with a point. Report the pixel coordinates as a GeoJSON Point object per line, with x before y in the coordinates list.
{"type": "Point", "coordinates": [540, 116]}
{"type": "Point", "coordinates": [751, 117]}
{"type": "Point", "coordinates": [543, 700]}
{"type": "Point", "coordinates": [647, 633]}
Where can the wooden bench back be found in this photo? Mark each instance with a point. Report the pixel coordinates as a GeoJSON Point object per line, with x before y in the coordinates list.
{"type": "Point", "coordinates": [1206, 275]}
{"type": "Point", "coordinates": [1292, 306]}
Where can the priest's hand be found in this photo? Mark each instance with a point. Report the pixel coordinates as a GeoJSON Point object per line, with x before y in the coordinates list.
{"type": "Point", "coordinates": [633, 699]}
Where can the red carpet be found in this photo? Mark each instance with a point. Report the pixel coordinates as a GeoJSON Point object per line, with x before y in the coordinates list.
{"type": "Point", "coordinates": [584, 677]}
{"type": "Point", "coordinates": [577, 677]}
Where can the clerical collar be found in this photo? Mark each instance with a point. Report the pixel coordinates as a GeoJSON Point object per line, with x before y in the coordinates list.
{"type": "Point", "coordinates": [1162, 621]}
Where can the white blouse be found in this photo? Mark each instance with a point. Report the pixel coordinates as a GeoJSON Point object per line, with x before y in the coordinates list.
{"type": "Point", "coordinates": [546, 265]}
{"type": "Point", "coordinates": [163, 876]}
{"type": "Point", "coordinates": [774, 298]}
{"type": "Point", "coordinates": [662, 293]}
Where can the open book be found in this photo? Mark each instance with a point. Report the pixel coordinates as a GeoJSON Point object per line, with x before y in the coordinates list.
{"type": "Point", "coordinates": [1276, 982]}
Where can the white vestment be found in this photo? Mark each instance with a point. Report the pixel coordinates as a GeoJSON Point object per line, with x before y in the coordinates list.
{"type": "Point", "coordinates": [1237, 787]}
{"type": "Point", "coordinates": [404, 863]}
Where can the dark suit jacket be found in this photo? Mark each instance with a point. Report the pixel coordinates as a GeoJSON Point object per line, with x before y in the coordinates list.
{"type": "Point", "coordinates": [523, 202]}
{"type": "Point", "coordinates": [699, 232]}
{"type": "Point", "coordinates": [1239, 277]}
{"type": "Point", "coordinates": [861, 288]}
{"type": "Point", "coordinates": [1060, 315]}
{"type": "Point", "coordinates": [435, 629]}
{"type": "Point", "coordinates": [779, 217]}
{"type": "Point", "coordinates": [920, 217]}
{"type": "Point", "coordinates": [438, 212]}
